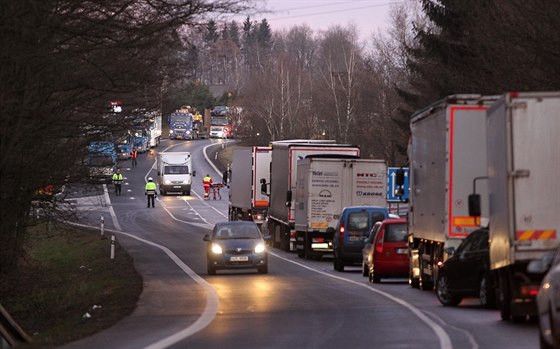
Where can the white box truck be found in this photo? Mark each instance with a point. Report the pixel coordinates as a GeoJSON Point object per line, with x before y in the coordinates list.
{"type": "Point", "coordinates": [324, 187]}
{"type": "Point", "coordinates": [523, 163]}
{"type": "Point", "coordinates": [447, 156]}
{"type": "Point", "coordinates": [283, 177]}
{"type": "Point", "coordinates": [248, 166]}
{"type": "Point", "coordinates": [174, 172]}
{"type": "Point", "coordinates": [155, 130]}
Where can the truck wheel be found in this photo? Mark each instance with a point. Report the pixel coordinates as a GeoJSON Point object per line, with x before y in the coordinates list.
{"type": "Point", "coordinates": [487, 294]}
{"type": "Point", "coordinates": [412, 280]}
{"type": "Point", "coordinates": [188, 192]}
{"type": "Point", "coordinates": [444, 294]}
{"type": "Point", "coordinates": [424, 283]}
{"type": "Point", "coordinates": [263, 269]}
{"type": "Point", "coordinates": [301, 244]}
{"type": "Point", "coordinates": [211, 269]}
{"type": "Point", "coordinates": [504, 299]}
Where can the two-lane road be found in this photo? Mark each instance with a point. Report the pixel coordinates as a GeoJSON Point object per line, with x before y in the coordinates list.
{"type": "Point", "coordinates": [298, 304]}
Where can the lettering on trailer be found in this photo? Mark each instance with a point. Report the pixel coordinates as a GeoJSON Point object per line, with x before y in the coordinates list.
{"type": "Point", "coordinates": [546, 234]}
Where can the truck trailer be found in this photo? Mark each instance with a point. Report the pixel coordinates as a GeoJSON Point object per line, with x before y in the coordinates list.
{"type": "Point", "coordinates": [174, 172]}
{"type": "Point", "coordinates": [155, 129]}
{"type": "Point", "coordinates": [523, 160]}
{"type": "Point", "coordinates": [249, 165]}
{"type": "Point", "coordinates": [283, 177]}
{"type": "Point", "coordinates": [447, 156]}
{"type": "Point", "coordinates": [324, 187]}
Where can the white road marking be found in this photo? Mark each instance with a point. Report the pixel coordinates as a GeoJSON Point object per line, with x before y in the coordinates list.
{"type": "Point", "coordinates": [111, 210]}
{"type": "Point", "coordinates": [444, 340]}
{"type": "Point", "coordinates": [470, 337]}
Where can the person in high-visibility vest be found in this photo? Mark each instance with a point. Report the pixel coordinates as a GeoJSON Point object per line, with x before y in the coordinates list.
{"type": "Point", "coordinates": [151, 191]}
{"type": "Point", "coordinates": [117, 181]}
{"type": "Point", "coordinates": [206, 182]}
{"type": "Point", "coordinates": [133, 156]}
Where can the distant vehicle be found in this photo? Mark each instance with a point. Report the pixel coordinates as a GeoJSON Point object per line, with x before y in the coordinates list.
{"type": "Point", "coordinates": [155, 130]}
{"type": "Point", "coordinates": [140, 143]}
{"type": "Point", "coordinates": [353, 228]}
{"type": "Point", "coordinates": [219, 110]}
{"type": "Point", "coordinates": [218, 132]}
{"type": "Point", "coordinates": [386, 250]}
{"type": "Point", "coordinates": [236, 245]}
{"type": "Point", "coordinates": [467, 273]}
{"type": "Point", "coordinates": [174, 172]}
{"type": "Point", "coordinates": [123, 151]}
{"type": "Point", "coordinates": [221, 123]}
{"type": "Point", "coordinates": [101, 161]}
{"type": "Point", "coordinates": [548, 299]}
{"type": "Point", "coordinates": [181, 126]}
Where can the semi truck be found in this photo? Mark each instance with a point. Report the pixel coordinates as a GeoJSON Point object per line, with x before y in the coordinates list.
{"type": "Point", "coordinates": [181, 126]}
{"type": "Point", "coordinates": [174, 172]}
{"type": "Point", "coordinates": [282, 185]}
{"type": "Point", "coordinates": [523, 160]}
{"type": "Point", "coordinates": [248, 166]}
{"type": "Point", "coordinates": [155, 130]}
{"type": "Point", "coordinates": [221, 124]}
{"type": "Point", "coordinates": [447, 156]}
{"type": "Point", "coordinates": [324, 186]}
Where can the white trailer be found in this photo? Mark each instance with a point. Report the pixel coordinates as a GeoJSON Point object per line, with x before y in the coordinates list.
{"type": "Point", "coordinates": [283, 177]}
{"type": "Point", "coordinates": [249, 165]}
{"type": "Point", "coordinates": [324, 187]}
{"type": "Point", "coordinates": [155, 130]}
{"type": "Point", "coordinates": [174, 172]}
{"type": "Point", "coordinates": [447, 154]}
{"type": "Point", "coordinates": [523, 162]}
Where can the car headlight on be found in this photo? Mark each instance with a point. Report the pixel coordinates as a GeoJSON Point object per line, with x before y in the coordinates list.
{"type": "Point", "coordinates": [167, 181]}
{"type": "Point", "coordinates": [189, 132]}
{"type": "Point", "coordinates": [260, 248]}
{"type": "Point", "coordinates": [216, 249]}
{"type": "Point", "coordinates": [185, 182]}
{"type": "Point", "coordinates": [170, 131]}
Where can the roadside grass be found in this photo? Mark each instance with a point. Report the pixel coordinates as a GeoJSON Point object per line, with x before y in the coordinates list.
{"type": "Point", "coordinates": [64, 274]}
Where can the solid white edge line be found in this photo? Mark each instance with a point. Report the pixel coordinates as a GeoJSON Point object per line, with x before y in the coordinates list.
{"type": "Point", "coordinates": [111, 210]}
{"type": "Point", "coordinates": [212, 299]}
{"type": "Point", "coordinates": [470, 337]}
{"type": "Point", "coordinates": [444, 340]}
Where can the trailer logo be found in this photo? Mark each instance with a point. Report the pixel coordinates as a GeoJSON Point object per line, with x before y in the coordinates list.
{"type": "Point", "coordinates": [368, 193]}
{"type": "Point", "coordinates": [325, 194]}
{"type": "Point", "coordinates": [373, 175]}
{"type": "Point", "coordinates": [324, 173]}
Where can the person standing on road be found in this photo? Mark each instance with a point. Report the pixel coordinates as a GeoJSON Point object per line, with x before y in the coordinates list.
{"type": "Point", "coordinates": [226, 176]}
{"type": "Point", "coordinates": [117, 182]}
{"type": "Point", "coordinates": [206, 183]}
{"type": "Point", "coordinates": [151, 191]}
{"type": "Point", "coordinates": [133, 156]}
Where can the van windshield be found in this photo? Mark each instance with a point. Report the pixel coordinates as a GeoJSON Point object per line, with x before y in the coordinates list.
{"type": "Point", "coordinates": [176, 170]}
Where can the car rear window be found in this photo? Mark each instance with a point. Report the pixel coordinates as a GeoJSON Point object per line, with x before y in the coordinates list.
{"type": "Point", "coordinates": [395, 233]}
{"type": "Point", "coordinates": [358, 221]}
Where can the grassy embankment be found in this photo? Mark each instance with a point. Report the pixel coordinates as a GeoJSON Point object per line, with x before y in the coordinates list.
{"type": "Point", "coordinates": [65, 274]}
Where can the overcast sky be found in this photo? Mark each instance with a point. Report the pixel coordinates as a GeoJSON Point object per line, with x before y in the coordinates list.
{"type": "Point", "coordinates": [367, 15]}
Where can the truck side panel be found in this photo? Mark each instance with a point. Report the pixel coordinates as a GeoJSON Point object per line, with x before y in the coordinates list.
{"type": "Point", "coordinates": [241, 175]}
{"type": "Point", "coordinates": [369, 183]}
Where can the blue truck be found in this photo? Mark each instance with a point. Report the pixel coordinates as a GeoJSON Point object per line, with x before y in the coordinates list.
{"type": "Point", "coordinates": [101, 161]}
{"type": "Point", "coordinates": [181, 126]}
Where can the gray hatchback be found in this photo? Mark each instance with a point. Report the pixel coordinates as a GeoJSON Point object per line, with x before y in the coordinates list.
{"type": "Point", "coordinates": [236, 245]}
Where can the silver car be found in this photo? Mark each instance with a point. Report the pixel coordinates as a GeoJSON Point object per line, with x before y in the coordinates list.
{"type": "Point", "coordinates": [548, 304]}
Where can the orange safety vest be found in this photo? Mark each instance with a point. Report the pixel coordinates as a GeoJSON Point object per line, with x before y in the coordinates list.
{"type": "Point", "coordinates": [134, 154]}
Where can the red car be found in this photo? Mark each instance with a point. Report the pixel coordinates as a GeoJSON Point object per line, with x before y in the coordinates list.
{"type": "Point", "coordinates": [388, 250]}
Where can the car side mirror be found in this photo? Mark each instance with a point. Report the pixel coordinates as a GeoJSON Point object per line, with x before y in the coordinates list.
{"type": "Point", "coordinates": [206, 238]}
{"type": "Point", "coordinates": [159, 173]}
{"type": "Point", "coordinates": [263, 186]}
{"type": "Point", "coordinates": [194, 173]}
{"type": "Point", "coordinates": [450, 251]}
{"type": "Point", "coordinates": [474, 205]}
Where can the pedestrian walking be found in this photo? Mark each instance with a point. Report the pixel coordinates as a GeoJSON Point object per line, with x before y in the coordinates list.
{"type": "Point", "coordinates": [151, 191]}
{"type": "Point", "coordinates": [117, 181]}
{"type": "Point", "coordinates": [206, 183]}
{"type": "Point", "coordinates": [133, 156]}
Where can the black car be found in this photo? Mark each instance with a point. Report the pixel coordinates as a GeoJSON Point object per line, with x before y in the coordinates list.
{"type": "Point", "coordinates": [467, 273]}
{"type": "Point", "coordinates": [236, 245]}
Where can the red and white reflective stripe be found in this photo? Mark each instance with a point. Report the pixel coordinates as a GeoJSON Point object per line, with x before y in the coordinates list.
{"type": "Point", "coordinates": [546, 234]}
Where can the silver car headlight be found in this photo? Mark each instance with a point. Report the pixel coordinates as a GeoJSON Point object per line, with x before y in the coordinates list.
{"type": "Point", "coordinates": [216, 249]}
{"type": "Point", "coordinates": [260, 248]}
{"type": "Point", "coordinates": [167, 181]}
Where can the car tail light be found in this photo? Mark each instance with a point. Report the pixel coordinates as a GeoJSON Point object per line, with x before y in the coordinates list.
{"type": "Point", "coordinates": [342, 230]}
{"type": "Point", "coordinates": [379, 247]}
{"type": "Point", "coordinates": [529, 290]}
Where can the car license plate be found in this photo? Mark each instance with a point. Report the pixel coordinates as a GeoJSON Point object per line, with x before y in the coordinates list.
{"type": "Point", "coordinates": [176, 186]}
{"type": "Point", "coordinates": [355, 238]}
{"type": "Point", "coordinates": [239, 259]}
{"type": "Point", "coordinates": [402, 250]}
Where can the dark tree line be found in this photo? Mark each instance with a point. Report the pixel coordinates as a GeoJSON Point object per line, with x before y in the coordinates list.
{"type": "Point", "coordinates": [61, 63]}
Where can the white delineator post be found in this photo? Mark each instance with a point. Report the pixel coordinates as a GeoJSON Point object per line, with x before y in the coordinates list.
{"type": "Point", "coordinates": [112, 246]}
{"type": "Point", "coordinates": [102, 226]}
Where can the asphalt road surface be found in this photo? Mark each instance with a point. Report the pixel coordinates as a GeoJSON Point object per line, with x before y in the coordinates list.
{"type": "Point", "coordinates": [298, 304]}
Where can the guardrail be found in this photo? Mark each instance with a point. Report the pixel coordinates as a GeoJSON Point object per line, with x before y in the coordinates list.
{"type": "Point", "coordinates": [11, 334]}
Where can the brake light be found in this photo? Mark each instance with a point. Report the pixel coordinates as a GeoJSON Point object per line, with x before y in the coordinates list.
{"type": "Point", "coordinates": [379, 247]}
{"type": "Point", "coordinates": [529, 290]}
{"type": "Point", "coordinates": [342, 230]}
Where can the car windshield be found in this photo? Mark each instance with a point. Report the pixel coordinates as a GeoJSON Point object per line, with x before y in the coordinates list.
{"type": "Point", "coordinates": [395, 233]}
{"type": "Point", "coordinates": [176, 170]}
{"type": "Point", "coordinates": [237, 231]}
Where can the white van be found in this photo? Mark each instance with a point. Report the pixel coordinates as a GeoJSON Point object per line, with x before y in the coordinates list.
{"type": "Point", "coordinates": [174, 172]}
